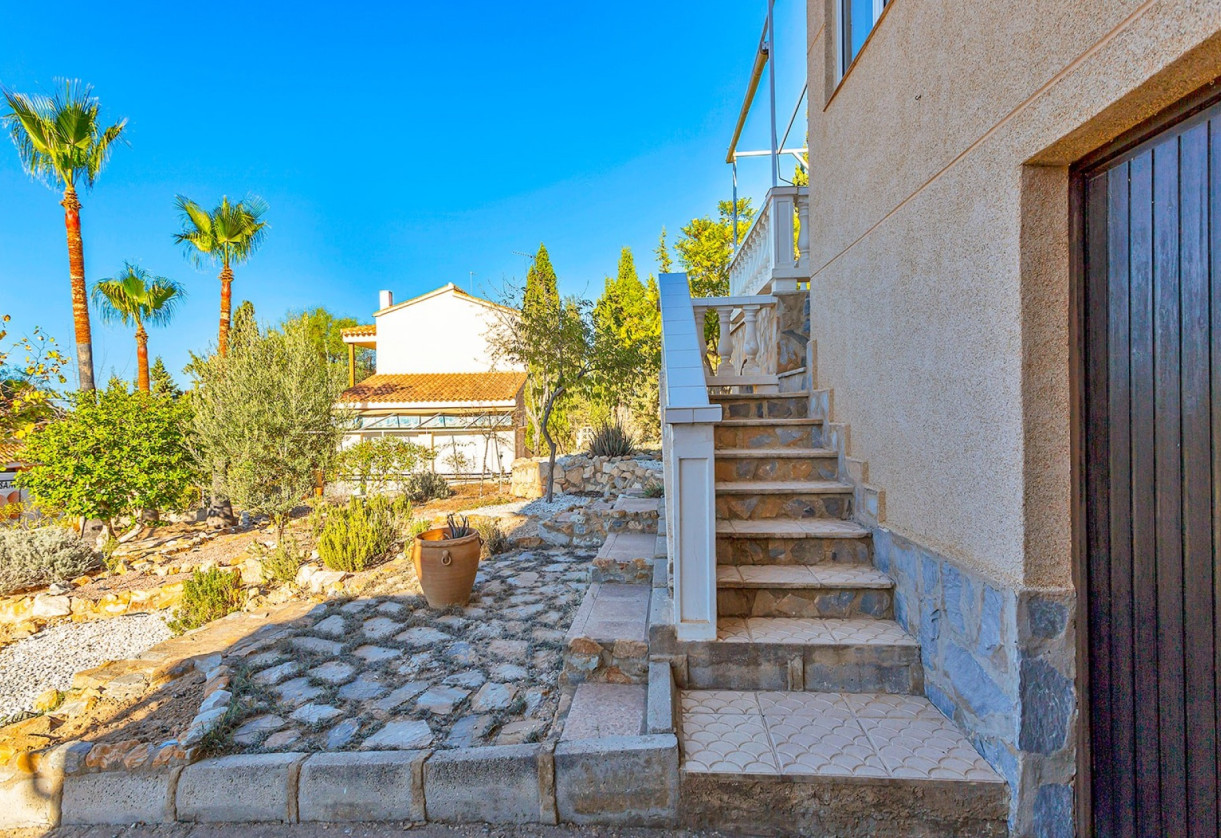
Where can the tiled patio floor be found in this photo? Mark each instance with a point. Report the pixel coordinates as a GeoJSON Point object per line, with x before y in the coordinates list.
{"type": "Point", "coordinates": [827, 734]}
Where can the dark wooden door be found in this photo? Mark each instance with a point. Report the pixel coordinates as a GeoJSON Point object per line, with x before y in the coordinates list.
{"type": "Point", "coordinates": [1152, 474]}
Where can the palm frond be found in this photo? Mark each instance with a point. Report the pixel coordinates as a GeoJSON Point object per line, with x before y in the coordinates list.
{"type": "Point", "coordinates": [136, 296]}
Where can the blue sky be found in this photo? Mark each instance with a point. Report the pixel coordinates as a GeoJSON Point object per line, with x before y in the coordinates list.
{"type": "Point", "coordinates": [400, 145]}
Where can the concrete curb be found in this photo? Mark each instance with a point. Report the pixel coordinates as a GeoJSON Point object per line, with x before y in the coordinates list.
{"type": "Point", "coordinates": [369, 786]}
{"type": "Point", "coordinates": [255, 788]}
{"type": "Point", "coordinates": [618, 780]}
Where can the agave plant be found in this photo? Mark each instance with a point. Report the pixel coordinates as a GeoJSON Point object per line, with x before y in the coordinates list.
{"type": "Point", "coordinates": [134, 297]}
{"type": "Point", "coordinates": [62, 142]}
{"type": "Point", "coordinates": [226, 236]}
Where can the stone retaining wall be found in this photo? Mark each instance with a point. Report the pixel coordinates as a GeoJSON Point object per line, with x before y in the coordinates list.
{"type": "Point", "coordinates": [1001, 664]}
{"type": "Point", "coordinates": [581, 473]}
{"type": "Point", "coordinates": [589, 525]}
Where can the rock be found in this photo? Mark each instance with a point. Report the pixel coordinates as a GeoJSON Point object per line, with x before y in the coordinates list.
{"type": "Point", "coordinates": [422, 636]}
{"type": "Point", "coordinates": [217, 700]}
{"type": "Point", "coordinates": [402, 736]}
{"type": "Point", "coordinates": [380, 628]}
{"type": "Point", "coordinates": [365, 687]}
{"type": "Point", "coordinates": [341, 734]}
{"type": "Point", "coordinates": [48, 700]}
{"type": "Point", "coordinates": [441, 700]}
{"type": "Point", "coordinates": [252, 729]}
{"type": "Point", "coordinates": [507, 650]}
{"type": "Point", "coordinates": [276, 674]}
{"type": "Point", "coordinates": [317, 645]}
{"type": "Point", "coordinates": [304, 573]}
{"type": "Point", "coordinates": [325, 580]}
{"type": "Point", "coordinates": [312, 714]}
{"type": "Point", "coordinates": [355, 606]}
{"type": "Point", "coordinates": [376, 654]}
{"type": "Point", "coordinates": [468, 731]}
{"type": "Point", "coordinates": [400, 696]}
{"type": "Point", "coordinates": [297, 691]}
{"type": "Point", "coordinates": [47, 606]}
{"type": "Point", "coordinates": [392, 609]}
{"type": "Point", "coordinates": [509, 672]}
{"type": "Point", "coordinates": [520, 732]}
{"type": "Point", "coordinates": [462, 653]}
{"type": "Point", "coordinates": [333, 672]}
{"type": "Point", "coordinates": [493, 696]}
{"type": "Point", "coordinates": [332, 626]}
{"type": "Point", "coordinates": [282, 739]}
{"type": "Point", "coordinates": [470, 678]}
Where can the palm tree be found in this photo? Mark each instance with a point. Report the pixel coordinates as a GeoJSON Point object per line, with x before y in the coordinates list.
{"type": "Point", "coordinates": [226, 237]}
{"type": "Point", "coordinates": [62, 142]}
{"type": "Point", "coordinates": [136, 297]}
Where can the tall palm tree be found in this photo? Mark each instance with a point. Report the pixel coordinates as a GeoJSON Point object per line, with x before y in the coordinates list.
{"type": "Point", "coordinates": [62, 142]}
{"type": "Point", "coordinates": [226, 236]}
{"type": "Point", "coordinates": [135, 297]}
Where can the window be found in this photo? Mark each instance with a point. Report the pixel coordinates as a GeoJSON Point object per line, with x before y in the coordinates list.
{"type": "Point", "coordinates": [857, 19]}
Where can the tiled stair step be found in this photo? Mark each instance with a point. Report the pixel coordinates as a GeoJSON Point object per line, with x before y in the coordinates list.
{"type": "Point", "coordinates": [768, 433]}
{"type": "Point", "coordinates": [859, 654]}
{"type": "Point", "coordinates": [803, 591]}
{"type": "Point", "coordinates": [779, 541]}
{"type": "Point", "coordinates": [838, 763]}
{"type": "Point", "coordinates": [776, 464]}
{"type": "Point", "coordinates": [627, 557]}
{"type": "Point", "coordinates": [763, 406]}
{"type": "Point", "coordinates": [750, 500]}
{"type": "Point", "coordinates": [609, 636]}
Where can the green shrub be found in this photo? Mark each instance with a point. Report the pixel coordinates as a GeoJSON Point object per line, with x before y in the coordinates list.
{"type": "Point", "coordinates": [655, 490]}
{"type": "Point", "coordinates": [424, 486]}
{"type": "Point", "coordinates": [358, 533]}
{"type": "Point", "coordinates": [208, 595]}
{"type": "Point", "coordinates": [495, 541]}
{"type": "Point", "coordinates": [282, 563]}
{"type": "Point", "coordinates": [32, 557]}
{"type": "Point", "coordinates": [611, 439]}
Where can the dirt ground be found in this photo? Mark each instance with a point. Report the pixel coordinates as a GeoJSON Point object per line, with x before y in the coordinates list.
{"type": "Point", "coordinates": [323, 830]}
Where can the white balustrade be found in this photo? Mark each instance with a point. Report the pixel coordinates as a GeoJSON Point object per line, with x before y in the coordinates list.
{"type": "Point", "coordinates": [766, 260]}
{"type": "Point", "coordinates": [740, 361]}
{"type": "Point", "coordinates": [687, 420]}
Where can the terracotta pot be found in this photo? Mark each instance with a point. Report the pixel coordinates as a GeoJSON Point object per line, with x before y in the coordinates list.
{"type": "Point", "coordinates": [446, 566]}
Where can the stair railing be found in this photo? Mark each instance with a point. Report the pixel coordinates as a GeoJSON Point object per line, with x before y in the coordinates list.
{"type": "Point", "coordinates": [768, 260]}
{"type": "Point", "coordinates": [687, 422]}
{"type": "Point", "coordinates": [746, 346]}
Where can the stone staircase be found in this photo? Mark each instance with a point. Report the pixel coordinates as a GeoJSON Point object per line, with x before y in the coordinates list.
{"type": "Point", "coordinates": [806, 714]}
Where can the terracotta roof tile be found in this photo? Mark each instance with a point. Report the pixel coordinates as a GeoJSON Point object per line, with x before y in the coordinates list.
{"type": "Point", "coordinates": [365, 331]}
{"type": "Point", "coordinates": [9, 452]}
{"type": "Point", "coordinates": [428, 388]}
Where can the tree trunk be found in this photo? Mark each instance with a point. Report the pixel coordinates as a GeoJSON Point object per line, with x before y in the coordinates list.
{"type": "Point", "coordinates": [80, 298]}
{"type": "Point", "coordinates": [141, 359]}
{"type": "Point", "coordinates": [226, 305]}
{"type": "Point", "coordinates": [546, 429]}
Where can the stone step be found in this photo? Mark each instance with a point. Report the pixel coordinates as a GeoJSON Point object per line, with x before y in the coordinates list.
{"type": "Point", "coordinates": [859, 654]}
{"type": "Point", "coordinates": [763, 405]}
{"type": "Point", "coordinates": [778, 541]}
{"type": "Point", "coordinates": [751, 500]}
{"type": "Point", "coordinates": [837, 763]}
{"type": "Point", "coordinates": [600, 710]}
{"type": "Point", "coordinates": [608, 640]}
{"type": "Point", "coordinates": [626, 557]}
{"type": "Point", "coordinates": [776, 464]}
{"type": "Point", "coordinates": [768, 433]}
{"type": "Point", "coordinates": [802, 591]}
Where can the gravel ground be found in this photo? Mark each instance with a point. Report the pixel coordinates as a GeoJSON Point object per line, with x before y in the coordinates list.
{"type": "Point", "coordinates": [50, 658]}
{"type": "Point", "coordinates": [536, 508]}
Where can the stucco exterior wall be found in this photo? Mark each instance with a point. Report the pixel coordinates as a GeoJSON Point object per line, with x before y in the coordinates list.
{"type": "Point", "coordinates": [444, 333]}
{"type": "Point", "coordinates": [940, 246]}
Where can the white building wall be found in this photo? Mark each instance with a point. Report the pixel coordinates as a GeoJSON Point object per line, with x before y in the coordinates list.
{"type": "Point", "coordinates": [445, 333]}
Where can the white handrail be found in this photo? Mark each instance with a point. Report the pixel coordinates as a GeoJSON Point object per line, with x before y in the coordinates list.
{"type": "Point", "coordinates": [766, 260]}
{"type": "Point", "coordinates": [687, 461]}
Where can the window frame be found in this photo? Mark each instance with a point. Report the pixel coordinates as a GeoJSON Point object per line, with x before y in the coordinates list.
{"type": "Point", "coordinates": [846, 56]}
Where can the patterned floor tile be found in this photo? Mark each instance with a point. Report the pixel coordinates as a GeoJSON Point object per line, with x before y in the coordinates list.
{"type": "Point", "coordinates": [850, 576]}
{"type": "Point", "coordinates": [719, 701]}
{"type": "Point", "coordinates": [891, 706]}
{"type": "Point", "coordinates": [828, 745]}
{"type": "Point", "coordinates": [727, 743]}
{"type": "Point", "coordinates": [779, 705]}
{"type": "Point", "coordinates": [925, 748]}
{"type": "Point", "coordinates": [777, 576]}
{"type": "Point", "coordinates": [795, 630]}
{"type": "Point", "coordinates": [868, 630]}
{"type": "Point", "coordinates": [732, 630]}
{"type": "Point", "coordinates": [728, 575]}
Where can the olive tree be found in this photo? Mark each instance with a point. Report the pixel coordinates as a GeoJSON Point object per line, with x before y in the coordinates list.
{"type": "Point", "coordinates": [265, 421]}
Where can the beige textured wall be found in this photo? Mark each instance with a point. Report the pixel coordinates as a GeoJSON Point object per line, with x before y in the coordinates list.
{"type": "Point", "coordinates": [940, 293]}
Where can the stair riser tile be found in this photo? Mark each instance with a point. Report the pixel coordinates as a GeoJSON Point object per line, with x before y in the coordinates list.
{"type": "Point", "coordinates": [848, 807]}
{"type": "Point", "coordinates": [766, 408]}
{"type": "Point", "coordinates": [804, 602]}
{"type": "Point", "coordinates": [777, 468]}
{"type": "Point", "coordinates": [732, 550]}
{"type": "Point", "coordinates": [768, 436]}
{"type": "Point", "coordinates": [765, 666]}
{"type": "Point", "coordinates": [733, 507]}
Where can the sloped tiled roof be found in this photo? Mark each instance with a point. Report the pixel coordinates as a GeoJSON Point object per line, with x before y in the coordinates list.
{"type": "Point", "coordinates": [437, 388]}
{"type": "Point", "coordinates": [366, 331]}
{"type": "Point", "coordinates": [9, 452]}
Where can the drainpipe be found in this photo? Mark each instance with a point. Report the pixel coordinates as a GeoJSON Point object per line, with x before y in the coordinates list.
{"type": "Point", "coordinates": [351, 365]}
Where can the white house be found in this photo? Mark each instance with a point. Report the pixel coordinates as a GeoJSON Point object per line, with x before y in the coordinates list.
{"type": "Point", "coordinates": [435, 383]}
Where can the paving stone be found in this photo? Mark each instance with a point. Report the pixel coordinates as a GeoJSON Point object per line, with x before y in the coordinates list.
{"type": "Point", "coordinates": [386, 786]}
{"type": "Point", "coordinates": [468, 731]}
{"type": "Point", "coordinates": [392, 609]}
{"type": "Point", "coordinates": [276, 674]}
{"type": "Point", "coordinates": [376, 654]}
{"type": "Point", "coordinates": [312, 714]}
{"type": "Point", "coordinates": [441, 700]}
{"type": "Point", "coordinates": [263, 659]}
{"type": "Point", "coordinates": [282, 739]}
{"type": "Point", "coordinates": [297, 691]}
{"type": "Point", "coordinates": [493, 696]}
{"type": "Point", "coordinates": [379, 628]}
{"type": "Point", "coordinates": [451, 621]}
{"type": "Point", "coordinates": [333, 672]}
{"type": "Point", "coordinates": [250, 731]}
{"type": "Point", "coordinates": [470, 678]}
{"type": "Point", "coordinates": [508, 650]}
{"type": "Point", "coordinates": [341, 734]}
{"type": "Point", "coordinates": [356, 606]}
{"type": "Point", "coordinates": [401, 695]}
{"type": "Point", "coordinates": [365, 687]}
{"type": "Point", "coordinates": [600, 710]}
{"type": "Point", "coordinates": [462, 653]}
{"type": "Point", "coordinates": [404, 735]}
{"type": "Point", "coordinates": [524, 580]}
{"type": "Point", "coordinates": [509, 672]}
{"type": "Point", "coordinates": [422, 636]}
{"type": "Point", "coordinates": [524, 730]}
{"type": "Point", "coordinates": [316, 645]}
{"type": "Point", "coordinates": [332, 626]}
